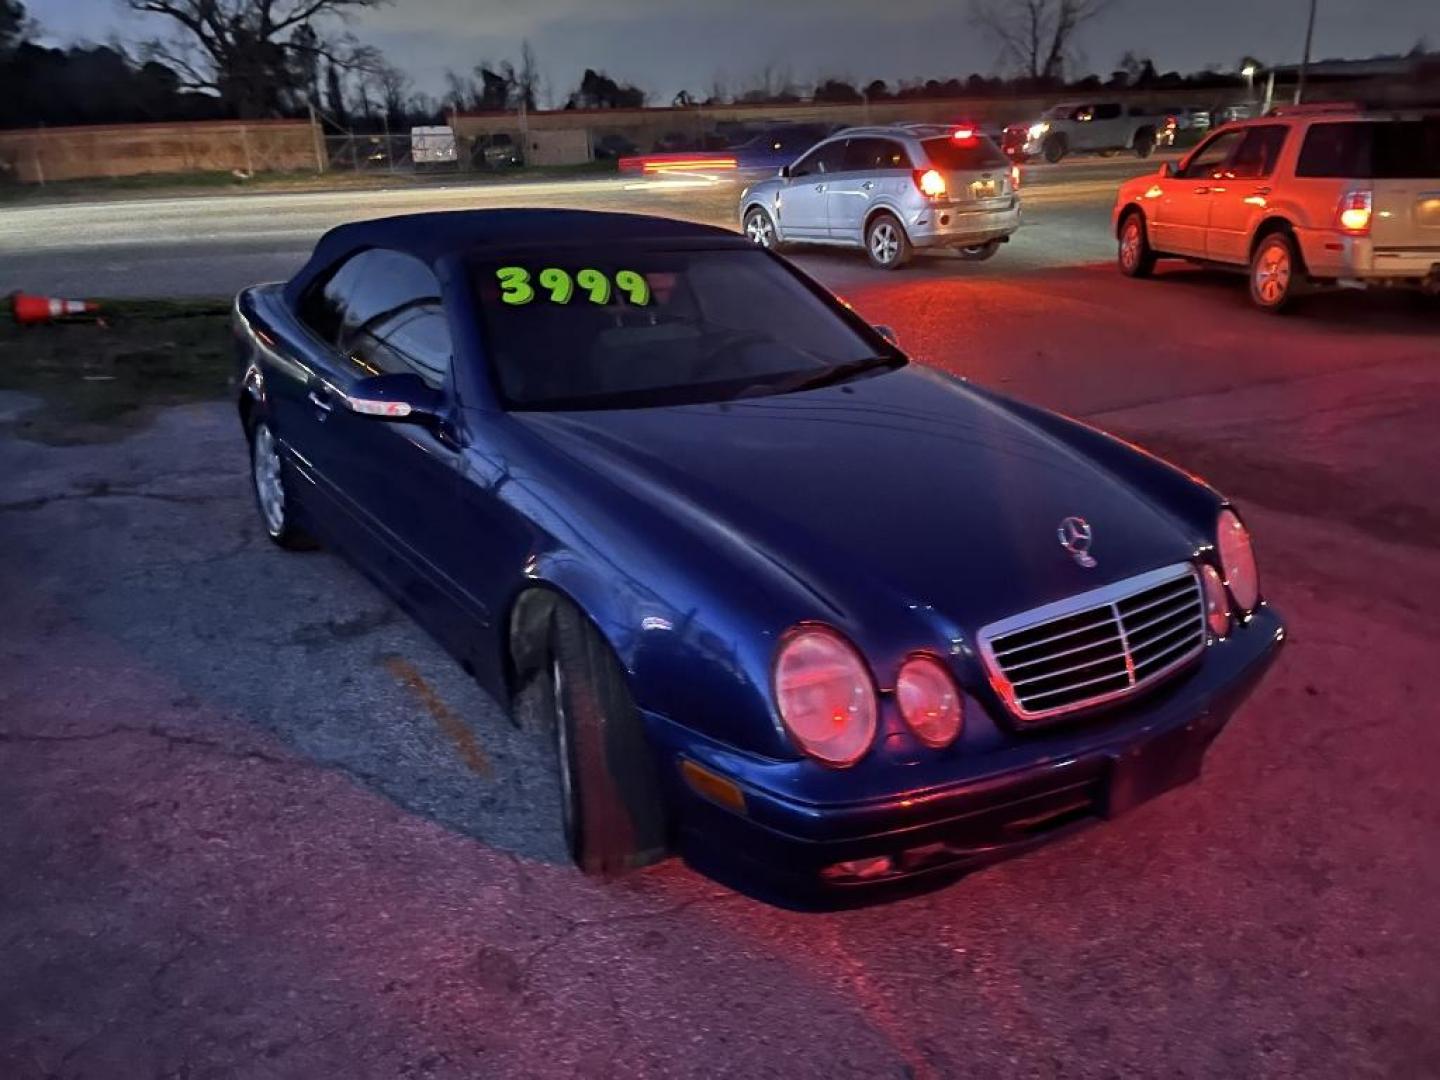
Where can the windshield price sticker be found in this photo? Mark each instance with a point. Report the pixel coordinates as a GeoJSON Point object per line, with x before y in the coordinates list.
{"type": "Point", "coordinates": [519, 286]}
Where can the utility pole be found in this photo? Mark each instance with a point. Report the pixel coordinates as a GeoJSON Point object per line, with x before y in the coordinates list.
{"type": "Point", "coordinates": [1305, 60]}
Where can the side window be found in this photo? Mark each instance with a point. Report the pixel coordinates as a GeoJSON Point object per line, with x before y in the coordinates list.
{"type": "Point", "coordinates": [1107, 112]}
{"type": "Point", "coordinates": [1257, 153]}
{"type": "Point", "coordinates": [826, 158]}
{"type": "Point", "coordinates": [875, 155]}
{"type": "Point", "coordinates": [323, 306]}
{"type": "Point", "coordinates": [382, 310]}
{"type": "Point", "coordinates": [415, 339]}
{"type": "Point", "coordinates": [1210, 156]}
{"type": "Point", "coordinates": [1335, 150]}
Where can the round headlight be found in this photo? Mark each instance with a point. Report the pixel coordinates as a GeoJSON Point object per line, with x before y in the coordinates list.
{"type": "Point", "coordinates": [929, 701]}
{"type": "Point", "coordinates": [825, 696]}
{"type": "Point", "coordinates": [1217, 605]}
{"type": "Point", "coordinates": [1237, 560]}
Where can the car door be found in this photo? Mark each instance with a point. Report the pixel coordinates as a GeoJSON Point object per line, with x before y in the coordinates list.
{"type": "Point", "coordinates": [1239, 195]}
{"type": "Point", "coordinates": [804, 210]}
{"type": "Point", "coordinates": [875, 170]}
{"type": "Point", "coordinates": [1081, 135]}
{"type": "Point", "coordinates": [1180, 215]}
{"type": "Point", "coordinates": [1107, 127]}
{"type": "Point", "coordinates": [396, 480]}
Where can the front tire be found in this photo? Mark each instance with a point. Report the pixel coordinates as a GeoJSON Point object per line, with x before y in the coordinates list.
{"type": "Point", "coordinates": [886, 242]}
{"type": "Point", "coordinates": [270, 481]}
{"type": "Point", "coordinates": [1144, 143]}
{"type": "Point", "coordinates": [611, 810]}
{"type": "Point", "coordinates": [1277, 275]}
{"type": "Point", "coordinates": [1134, 255]}
{"type": "Point", "coordinates": [760, 228]}
{"type": "Point", "coordinates": [1055, 149]}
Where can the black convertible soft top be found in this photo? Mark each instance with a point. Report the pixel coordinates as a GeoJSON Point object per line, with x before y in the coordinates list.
{"type": "Point", "coordinates": [435, 236]}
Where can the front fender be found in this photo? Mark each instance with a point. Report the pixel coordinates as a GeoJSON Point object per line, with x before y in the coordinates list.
{"type": "Point", "coordinates": [689, 657]}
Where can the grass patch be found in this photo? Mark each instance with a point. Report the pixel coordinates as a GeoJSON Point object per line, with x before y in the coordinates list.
{"type": "Point", "coordinates": [98, 381]}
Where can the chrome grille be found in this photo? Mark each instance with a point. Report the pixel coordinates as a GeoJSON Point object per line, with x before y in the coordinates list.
{"type": "Point", "coordinates": [1097, 646]}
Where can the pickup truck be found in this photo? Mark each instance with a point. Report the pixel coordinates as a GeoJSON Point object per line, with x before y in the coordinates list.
{"type": "Point", "coordinates": [1080, 127]}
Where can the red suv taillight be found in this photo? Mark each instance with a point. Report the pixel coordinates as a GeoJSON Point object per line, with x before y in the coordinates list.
{"type": "Point", "coordinates": [930, 183]}
{"type": "Point", "coordinates": [1354, 212]}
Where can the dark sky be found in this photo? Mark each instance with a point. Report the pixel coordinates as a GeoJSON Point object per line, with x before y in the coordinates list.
{"type": "Point", "coordinates": [666, 45]}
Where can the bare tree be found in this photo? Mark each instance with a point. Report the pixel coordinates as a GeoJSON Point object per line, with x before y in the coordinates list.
{"type": "Point", "coordinates": [527, 81]}
{"type": "Point", "coordinates": [256, 54]}
{"type": "Point", "coordinates": [1035, 35]}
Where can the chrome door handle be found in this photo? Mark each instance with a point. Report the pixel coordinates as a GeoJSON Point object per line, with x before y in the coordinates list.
{"type": "Point", "coordinates": [1202, 191]}
{"type": "Point", "coordinates": [867, 185]}
{"type": "Point", "coordinates": [321, 403]}
{"type": "Point", "coordinates": [1261, 191]}
{"type": "Point", "coordinates": [819, 187]}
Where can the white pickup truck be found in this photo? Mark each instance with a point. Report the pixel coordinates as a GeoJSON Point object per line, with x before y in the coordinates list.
{"type": "Point", "coordinates": [1080, 127]}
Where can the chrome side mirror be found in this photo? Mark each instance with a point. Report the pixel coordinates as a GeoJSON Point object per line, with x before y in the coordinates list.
{"type": "Point", "coordinates": [402, 397]}
{"type": "Point", "coordinates": [785, 172]}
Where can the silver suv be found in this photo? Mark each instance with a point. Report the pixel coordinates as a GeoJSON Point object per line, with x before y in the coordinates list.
{"type": "Point", "coordinates": [891, 190]}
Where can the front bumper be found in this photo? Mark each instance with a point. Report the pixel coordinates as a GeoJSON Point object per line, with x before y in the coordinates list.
{"type": "Point", "coordinates": [1070, 778]}
{"type": "Point", "coordinates": [959, 225]}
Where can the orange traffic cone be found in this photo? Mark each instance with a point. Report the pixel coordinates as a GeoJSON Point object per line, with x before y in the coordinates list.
{"type": "Point", "coordinates": [31, 310]}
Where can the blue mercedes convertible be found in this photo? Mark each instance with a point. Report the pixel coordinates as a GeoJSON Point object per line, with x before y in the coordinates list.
{"type": "Point", "coordinates": [780, 599]}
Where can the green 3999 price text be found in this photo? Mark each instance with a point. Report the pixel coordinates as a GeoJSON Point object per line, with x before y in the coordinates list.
{"type": "Point", "coordinates": [518, 286]}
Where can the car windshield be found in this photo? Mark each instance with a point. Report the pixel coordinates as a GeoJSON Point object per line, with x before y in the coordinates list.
{"type": "Point", "coordinates": [1378, 150]}
{"type": "Point", "coordinates": [977, 152]}
{"type": "Point", "coordinates": [586, 329]}
{"type": "Point", "coordinates": [1058, 112]}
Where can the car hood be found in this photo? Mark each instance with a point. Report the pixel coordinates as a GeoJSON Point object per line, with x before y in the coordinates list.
{"type": "Point", "coordinates": [905, 487]}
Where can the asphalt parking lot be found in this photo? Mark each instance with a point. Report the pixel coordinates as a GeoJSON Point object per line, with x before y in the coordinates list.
{"type": "Point", "coordinates": [257, 825]}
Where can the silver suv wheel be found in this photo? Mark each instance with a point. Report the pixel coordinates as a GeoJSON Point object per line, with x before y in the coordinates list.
{"type": "Point", "coordinates": [759, 228]}
{"type": "Point", "coordinates": [886, 242]}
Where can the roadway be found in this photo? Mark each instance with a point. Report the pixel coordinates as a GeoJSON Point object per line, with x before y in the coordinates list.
{"type": "Point", "coordinates": [209, 245]}
{"type": "Point", "coordinates": [258, 826]}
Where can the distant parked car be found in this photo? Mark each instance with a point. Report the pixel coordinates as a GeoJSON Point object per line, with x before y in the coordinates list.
{"type": "Point", "coordinates": [890, 190]}
{"type": "Point", "coordinates": [778, 145]}
{"type": "Point", "coordinates": [500, 151]}
{"type": "Point", "coordinates": [1230, 113]}
{"type": "Point", "coordinates": [673, 142]}
{"type": "Point", "coordinates": [433, 145]}
{"type": "Point", "coordinates": [613, 145]}
{"type": "Point", "coordinates": [1089, 128]}
{"type": "Point", "coordinates": [1191, 119]}
{"type": "Point", "coordinates": [1312, 197]}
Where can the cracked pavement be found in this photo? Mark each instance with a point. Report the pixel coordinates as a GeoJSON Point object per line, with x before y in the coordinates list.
{"type": "Point", "coordinates": [257, 825]}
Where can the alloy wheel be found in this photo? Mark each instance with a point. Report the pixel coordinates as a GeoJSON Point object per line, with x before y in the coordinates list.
{"type": "Point", "coordinates": [562, 750]}
{"type": "Point", "coordinates": [1130, 245]}
{"type": "Point", "coordinates": [884, 243]}
{"type": "Point", "coordinates": [269, 489]}
{"type": "Point", "coordinates": [759, 229]}
{"type": "Point", "coordinates": [1272, 274]}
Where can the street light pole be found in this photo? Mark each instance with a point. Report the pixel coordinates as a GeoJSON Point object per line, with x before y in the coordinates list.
{"type": "Point", "coordinates": [1305, 60]}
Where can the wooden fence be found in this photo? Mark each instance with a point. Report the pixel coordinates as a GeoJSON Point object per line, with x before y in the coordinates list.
{"type": "Point", "coordinates": [43, 155]}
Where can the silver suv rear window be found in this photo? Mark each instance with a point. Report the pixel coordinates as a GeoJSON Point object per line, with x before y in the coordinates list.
{"type": "Point", "coordinates": [958, 155]}
{"type": "Point", "coordinates": [1372, 150]}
